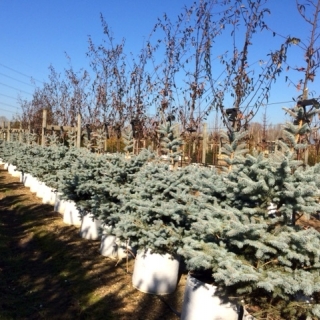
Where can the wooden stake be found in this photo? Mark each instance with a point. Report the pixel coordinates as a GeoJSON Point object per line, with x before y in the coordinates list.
{"type": "Point", "coordinates": [44, 125]}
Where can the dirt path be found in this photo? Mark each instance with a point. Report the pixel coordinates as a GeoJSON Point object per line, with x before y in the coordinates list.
{"type": "Point", "coordinates": [48, 272]}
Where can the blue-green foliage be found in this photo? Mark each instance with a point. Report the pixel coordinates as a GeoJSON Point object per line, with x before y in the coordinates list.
{"type": "Point", "coordinates": [262, 259]}
{"type": "Point", "coordinates": [154, 213]}
{"type": "Point", "coordinates": [95, 181]}
{"type": "Point", "coordinates": [170, 142]}
{"type": "Point", "coordinates": [9, 152]}
{"type": "Point", "coordinates": [233, 148]}
{"type": "Point", "coordinates": [127, 136]}
{"type": "Point", "coordinates": [117, 174]}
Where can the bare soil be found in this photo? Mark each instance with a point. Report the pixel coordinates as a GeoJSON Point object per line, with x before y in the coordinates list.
{"type": "Point", "coordinates": [47, 271]}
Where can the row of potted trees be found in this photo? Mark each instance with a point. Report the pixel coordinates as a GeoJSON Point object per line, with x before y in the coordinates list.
{"type": "Point", "coordinates": [217, 223]}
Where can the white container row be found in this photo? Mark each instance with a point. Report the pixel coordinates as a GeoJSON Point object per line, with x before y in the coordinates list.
{"type": "Point", "coordinates": [90, 228]}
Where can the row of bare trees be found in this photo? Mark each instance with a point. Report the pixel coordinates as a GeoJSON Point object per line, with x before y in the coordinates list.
{"type": "Point", "coordinates": [185, 71]}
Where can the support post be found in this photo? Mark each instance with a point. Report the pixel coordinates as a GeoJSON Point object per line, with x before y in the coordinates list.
{"type": "Point", "coordinates": [134, 146]}
{"type": "Point", "coordinates": [306, 152]}
{"type": "Point", "coordinates": [8, 131]}
{"type": "Point", "coordinates": [3, 132]}
{"type": "Point", "coordinates": [20, 132]}
{"type": "Point", "coordinates": [204, 142]}
{"type": "Point", "coordinates": [78, 145]}
{"type": "Point", "coordinates": [44, 125]}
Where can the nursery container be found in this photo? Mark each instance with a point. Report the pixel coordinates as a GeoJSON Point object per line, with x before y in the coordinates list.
{"type": "Point", "coordinates": [53, 196]}
{"type": "Point", "coordinates": [60, 204]}
{"type": "Point", "coordinates": [40, 190]}
{"type": "Point", "coordinates": [112, 247]}
{"type": "Point", "coordinates": [71, 214]}
{"type": "Point", "coordinates": [46, 194]}
{"type": "Point", "coordinates": [35, 183]}
{"type": "Point", "coordinates": [90, 227]}
{"type": "Point", "coordinates": [11, 168]}
{"type": "Point", "coordinates": [6, 165]}
{"type": "Point", "coordinates": [49, 195]}
{"type": "Point", "coordinates": [27, 179]}
{"type": "Point", "coordinates": [155, 273]}
{"type": "Point", "coordinates": [202, 302]}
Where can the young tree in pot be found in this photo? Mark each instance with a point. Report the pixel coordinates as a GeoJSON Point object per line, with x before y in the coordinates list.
{"type": "Point", "coordinates": [154, 216]}
{"type": "Point", "coordinates": [116, 172]}
{"type": "Point", "coordinates": [151, 197]}
{"type": "Point", "coordinates": [77, 183]}
{"type": "Point", "coordinates": [266, 262]}
{"type": "Point", "coordinates": [93, 182]}
{"type": "Point", "coordinates": [48, 161]}
{"type": "Point", "coordinates": [80, 173]}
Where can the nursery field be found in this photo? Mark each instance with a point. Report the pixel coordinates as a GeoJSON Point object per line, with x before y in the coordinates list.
{"type": "Point", "coordinates": [47, 271]}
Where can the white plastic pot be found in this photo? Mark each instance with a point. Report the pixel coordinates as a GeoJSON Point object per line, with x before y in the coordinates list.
{"type": "Point", "coordinates": [40, 190]}
{"type": "Point", "coordinates": [71, 214]}
{"type": "Point", "coordinates": [113, 248]}
{"type": "Point", "coordinates": [53, 196]}
{"type": "Point", "coordinates": [46, 194]}
{"type": "Point", "coordinates": [6, 165]}
{"type": "Point", "coordinates": [90, 227]}
{"type": "Point", "coordinates": [11, 168]}
{"type": "Point", "coordinates": [60, 204]}
{"type": "Point", "coordinates": [201, 302]}
{"type": "Point", "coordinates": [27, 179]}
{"type": "Point", "coordinates": [155, 273]}
{"type": "Point", "coordinates": [35, 184]}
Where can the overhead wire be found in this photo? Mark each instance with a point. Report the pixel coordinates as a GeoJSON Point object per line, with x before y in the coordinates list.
{"type": "Point", "coordinates": [9, 105]}
{"type": "Point", "coordinates": [15, 88]}
{"type": "Point", "coordinates": [1, 64]}
{"type": "Point", "coordinates": [10, 97]}
{"type": "Point", "coordinates": [22, 91]}
{"type": "Point", "coordinates": [269, 104]}
{"type": "Point", "coordinates": [28, 84]}
{"type": "Point", "coordinates": [10, 111]}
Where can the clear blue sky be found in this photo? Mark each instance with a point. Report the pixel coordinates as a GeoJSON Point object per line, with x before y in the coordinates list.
{"type": "Point", "coordinates": [37, 33]}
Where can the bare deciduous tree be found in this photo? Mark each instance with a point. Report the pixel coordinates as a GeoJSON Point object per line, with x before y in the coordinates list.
{"type": "Point", "coordinates": [244, 85]}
